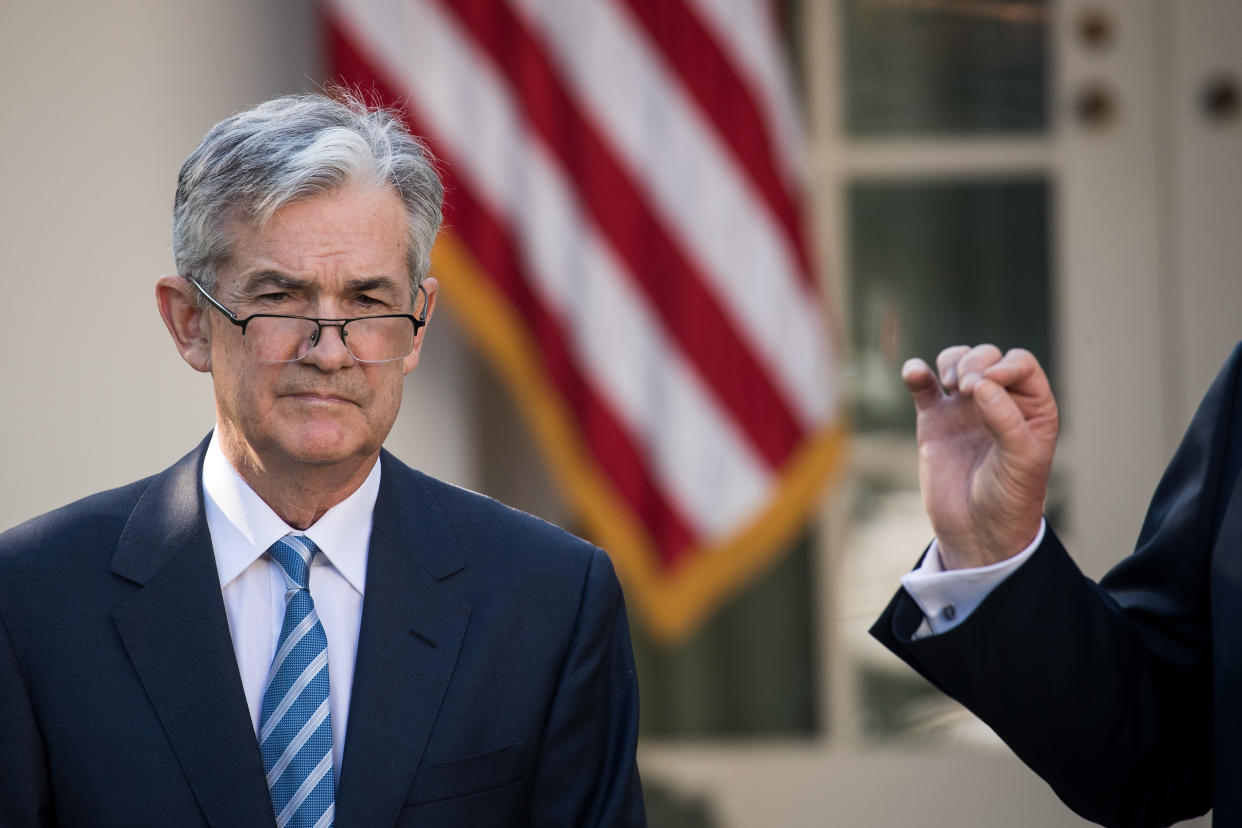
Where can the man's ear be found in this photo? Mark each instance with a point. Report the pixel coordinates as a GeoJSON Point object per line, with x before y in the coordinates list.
{"type": "Point", "coordinates": [185, 320]}
{"type": "Point", "coordinates": [430, 285]}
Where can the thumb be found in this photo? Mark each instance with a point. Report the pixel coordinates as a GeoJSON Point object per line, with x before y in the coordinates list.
{"type": "Point", "coordinates": [922, 383]}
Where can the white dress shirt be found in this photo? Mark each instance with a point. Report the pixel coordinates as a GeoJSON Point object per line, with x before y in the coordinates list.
{"type": "Point", "coordinates": [948, 596]}
{"type": "Point", "coordinates": [242, 528]}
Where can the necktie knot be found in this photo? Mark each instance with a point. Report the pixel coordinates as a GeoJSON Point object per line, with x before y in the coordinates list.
{"type": "Point", "coordinates": [294, 553]}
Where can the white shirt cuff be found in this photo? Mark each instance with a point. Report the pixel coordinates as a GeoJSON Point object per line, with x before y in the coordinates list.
{"type": "Point", "coordinates": [948, 597]}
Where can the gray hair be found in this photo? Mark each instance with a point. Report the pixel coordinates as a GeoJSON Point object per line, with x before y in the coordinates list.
{"type": "Point", "coordinates": [291, 148]}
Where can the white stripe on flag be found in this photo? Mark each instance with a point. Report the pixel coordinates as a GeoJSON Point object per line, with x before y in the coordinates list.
{"type": "Point", "coordinates": [679, 160]}
{"type": "Point", "coordinates": [746, 32]}
{"type": "Point", "coordinates": [700, 457]}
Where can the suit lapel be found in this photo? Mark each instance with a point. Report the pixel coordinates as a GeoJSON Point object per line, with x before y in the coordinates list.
{"type": "Point", "coordinates": [412, 630]}
{"type": "Point", "coordinates": [176, 633]}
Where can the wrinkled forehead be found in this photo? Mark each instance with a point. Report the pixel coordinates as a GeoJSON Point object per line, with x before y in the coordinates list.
{"type": "Point", "coordinates": [353, 224]}
{"type": "Point", "coordinates": [356, 235]}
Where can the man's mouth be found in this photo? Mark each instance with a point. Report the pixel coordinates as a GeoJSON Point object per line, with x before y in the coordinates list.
{"type": "Point", "coordinates": [323, 397]}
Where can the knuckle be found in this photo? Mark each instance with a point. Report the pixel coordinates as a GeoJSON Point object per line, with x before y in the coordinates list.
{"type": "Point", "coordinates": [978, 358]}
{"type": "Point", "coordinates": [986, 351]}
{"type": "Point", "coordinates": [1021, 357]}
{"type": "Point", "coordinates": [951, 355]}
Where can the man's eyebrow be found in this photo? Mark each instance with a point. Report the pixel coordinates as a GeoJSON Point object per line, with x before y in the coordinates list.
{"type": "Point", "coordinates": [273, 279]}
{"type": "Point", "coordinates": [372, 283]}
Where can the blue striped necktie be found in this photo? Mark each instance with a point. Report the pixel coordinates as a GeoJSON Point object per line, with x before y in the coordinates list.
{"type": "Point", "coordinates": [295, 727]}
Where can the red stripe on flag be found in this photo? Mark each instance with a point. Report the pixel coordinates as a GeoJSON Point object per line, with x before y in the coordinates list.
{"type": "Point", "coordinates": [674, 286]}
{"type": "Point", "coordinates": [690, 48]}
{"type": "Point", "coordinates": [493, 246]}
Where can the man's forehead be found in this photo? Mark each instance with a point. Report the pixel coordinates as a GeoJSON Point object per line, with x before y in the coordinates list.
{"type": "Point", "coordinates": [355, 237]}
{"type": "Point", "coordinates": [378, 206]}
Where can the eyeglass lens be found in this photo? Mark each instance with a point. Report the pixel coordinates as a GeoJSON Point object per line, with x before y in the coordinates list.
{"type": "Point", "coordinates": [368, 339]}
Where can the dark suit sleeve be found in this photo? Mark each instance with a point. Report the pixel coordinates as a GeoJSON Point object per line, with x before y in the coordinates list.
{"type": "Point", "coordinates": [25, 793]}
{"type": "Point", "coordinates": [1105, 690]}
{"type": "Point", "coordinates": [586, 770]}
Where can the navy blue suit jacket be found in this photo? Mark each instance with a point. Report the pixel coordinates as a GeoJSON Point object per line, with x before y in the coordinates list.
{"type": "Point", "coordinates": [494, 681]}
{"type": "Point", "coordinates": [1125, 695]}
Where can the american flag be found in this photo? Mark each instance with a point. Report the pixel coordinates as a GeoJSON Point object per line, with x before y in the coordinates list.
{"type": "Point", "coordinates": [624, 240]}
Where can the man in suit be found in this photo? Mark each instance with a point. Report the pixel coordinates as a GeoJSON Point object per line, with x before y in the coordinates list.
{"type": "Point", "coordinates": [289, 626]}
{"type": "Point", "coordinates": [1124, 695]}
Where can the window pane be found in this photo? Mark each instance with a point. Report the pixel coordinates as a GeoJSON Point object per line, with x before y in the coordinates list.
{"type": "Point", "coordinates": [939, 263]}
{"type": "Point", "coordinates": [916, 67]}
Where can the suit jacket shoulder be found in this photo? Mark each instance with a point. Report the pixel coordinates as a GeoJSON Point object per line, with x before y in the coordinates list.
{"type": "Point", "coordinates": [89, 531]}
{"type": "Point", "coordinates": [74, 529]}
{"type": "Point", "coordinates": [57, 560]}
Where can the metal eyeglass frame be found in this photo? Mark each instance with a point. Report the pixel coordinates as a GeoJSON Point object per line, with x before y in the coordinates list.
{"type": "Point", "coordinates": [418, 321]}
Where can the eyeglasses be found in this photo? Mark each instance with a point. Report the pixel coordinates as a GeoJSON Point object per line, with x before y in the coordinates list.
{"type": "Point", "coordinates": [278, 337]}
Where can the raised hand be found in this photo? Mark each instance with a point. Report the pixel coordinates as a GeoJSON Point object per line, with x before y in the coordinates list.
{"type": "Point", "coordinates": [987, 429]}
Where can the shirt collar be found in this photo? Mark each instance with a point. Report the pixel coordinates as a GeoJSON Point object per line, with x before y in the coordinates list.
{"type": "Point", "coordinates": [243, 527]}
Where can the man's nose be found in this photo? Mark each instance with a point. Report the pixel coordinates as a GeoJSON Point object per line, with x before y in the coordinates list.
{"type": "Point", "coordinates": [328, 352]}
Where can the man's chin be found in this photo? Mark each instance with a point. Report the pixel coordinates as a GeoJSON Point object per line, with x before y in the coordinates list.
{"type": "Point", "coordinates": [318, 445]}
{"type": "Point", "coordinates": [325, 455]}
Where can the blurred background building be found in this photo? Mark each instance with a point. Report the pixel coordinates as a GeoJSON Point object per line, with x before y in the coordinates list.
{"type": "Point", "coordinates": [1065, 176]}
